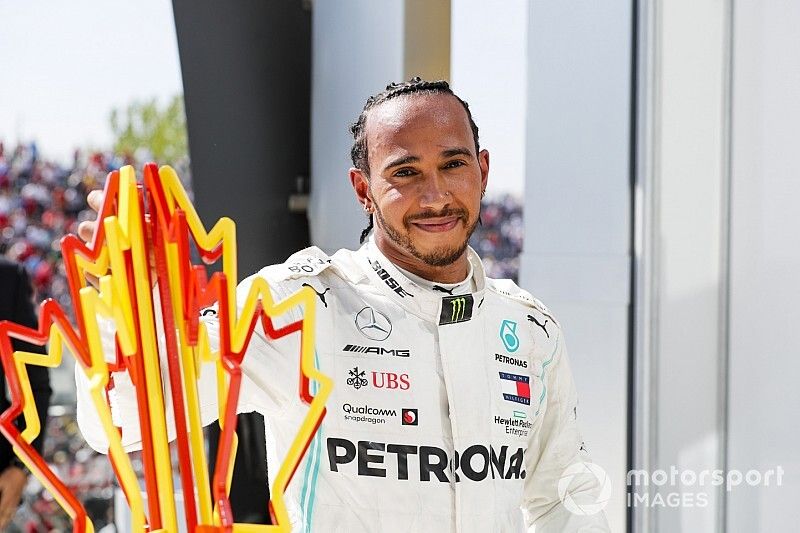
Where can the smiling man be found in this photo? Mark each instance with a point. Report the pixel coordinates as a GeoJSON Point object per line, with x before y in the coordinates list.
{"type": "Point", "coordinates": [454, 407]}
{"type": "Point", "coordinates": [419, 169]}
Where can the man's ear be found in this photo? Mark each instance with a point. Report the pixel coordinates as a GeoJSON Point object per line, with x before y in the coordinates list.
{"type": "Point", "coordinates": [483, 161]}
{"type": "Point", "coordinates": [361, 187]}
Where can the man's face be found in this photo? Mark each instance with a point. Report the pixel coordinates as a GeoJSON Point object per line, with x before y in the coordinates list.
{"type": "Point", "coordinates": [425, 178]}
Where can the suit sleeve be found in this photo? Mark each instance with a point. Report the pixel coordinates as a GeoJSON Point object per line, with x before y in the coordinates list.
{"type": "Point", "coordinates": [25, 314]}
{"type": "Point", "coordinates": [556, 447]}
{"type": "Point", "coordinates": [267, 373]}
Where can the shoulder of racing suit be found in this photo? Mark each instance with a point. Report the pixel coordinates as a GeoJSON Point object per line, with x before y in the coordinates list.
{"type": "Point", "coordinates": [287, 277]}
{"type": "Point", "coordinates": [335, 270]}
{"type": "Point", "coordinates": [508, 289]}
{"type": "Point", "coordinates": [308, 262]}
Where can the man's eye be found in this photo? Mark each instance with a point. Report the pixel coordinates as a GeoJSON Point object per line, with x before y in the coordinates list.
{"type": "Point", "coordinates": [403, 172]}
{"type": "Point", "coordinates": [454, 163]}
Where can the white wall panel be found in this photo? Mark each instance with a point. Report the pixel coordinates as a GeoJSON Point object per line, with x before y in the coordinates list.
{"type": "Point", "coordinates": [357, 49]}
{"type": "Point", "coordinates": [689, 183]}
{"type": "Point", "coordinates": [489, 41]}
{"type": "Point", "coordinates": [577, 207]}
{"type": "Point", "coordinates": [765, 265]}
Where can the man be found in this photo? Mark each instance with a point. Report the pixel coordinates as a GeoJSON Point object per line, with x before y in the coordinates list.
{"type": "Point", "coordinates": [453, 407]}
{"type": "Point", "coordinates": [17, 305]}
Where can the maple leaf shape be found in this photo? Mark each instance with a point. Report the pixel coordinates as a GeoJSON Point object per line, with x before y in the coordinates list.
{"type": "Point", "coordinates": [131, 244]}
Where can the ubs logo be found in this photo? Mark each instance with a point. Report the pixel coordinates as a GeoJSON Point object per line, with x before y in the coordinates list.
{"type": "Point", "coordinates": [357, 379]}
{"type": "Point", "coordinates": [373, 324]}
{"type": "Point", "coordinates": [390, 380]}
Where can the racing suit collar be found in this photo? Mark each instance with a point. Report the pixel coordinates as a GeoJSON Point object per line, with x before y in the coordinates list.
{"type": "Point", "coordinates": [417, 299]}
{"type": "Point", "coordinates": [465, 286]}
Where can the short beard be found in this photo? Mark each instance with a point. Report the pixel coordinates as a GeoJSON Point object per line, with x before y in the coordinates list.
{"type": "Point", "coordinates": [437, 258]}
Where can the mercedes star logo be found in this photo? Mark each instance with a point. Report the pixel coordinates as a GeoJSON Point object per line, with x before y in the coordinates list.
{"type": "Point", "coordinates": [373, 324]}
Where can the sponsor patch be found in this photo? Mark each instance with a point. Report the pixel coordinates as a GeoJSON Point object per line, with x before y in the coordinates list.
{"type": "Point", "coordinates": [356, 378]}
{"type": "Point", "coordinates": [373, 324]}
{"type": "Point", "coordinates": [388, 279]}
{"type": "Point", "coordinates": [456, 309]}
{"type": "Point", "coordinates": [502, 358]}
{"type": "Point", "coordinates": [367, 414]}
{"type": "Point", "coordinates": [410, 417]}
{"type": "Point", "coordinates": [517, 425]}
{"type": "Point", "coordinates": [390, 380]}
{"type": "Point", "coordinates": [516, 388]}
{"type": "Point", "coordinates": [508, 334]}
{"type": "Point", "coordinates": [376, 350]}
{"type": "Point", "coordinates": [477, 462]}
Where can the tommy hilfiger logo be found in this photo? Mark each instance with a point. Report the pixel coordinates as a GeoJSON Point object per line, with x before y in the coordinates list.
{"type": "Point", "coordinates": [515, 388]}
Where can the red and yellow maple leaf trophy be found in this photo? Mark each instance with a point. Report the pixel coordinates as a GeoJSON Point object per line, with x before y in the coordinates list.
{"type": "Point", "coordinates": [127, 251]}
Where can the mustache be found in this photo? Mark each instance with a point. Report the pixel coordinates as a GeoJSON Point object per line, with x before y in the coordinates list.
{"type": "Point", "coordinates": [461, 213]}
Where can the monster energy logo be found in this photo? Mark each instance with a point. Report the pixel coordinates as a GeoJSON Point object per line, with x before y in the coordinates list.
{"type": "Point", "coordinates": [458, 305]}
{"type": "Point", "coordinates": [456, 309]}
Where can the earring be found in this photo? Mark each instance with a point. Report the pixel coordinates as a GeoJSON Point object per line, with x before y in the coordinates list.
{"type": "Point", "coordinates": [483, 193]}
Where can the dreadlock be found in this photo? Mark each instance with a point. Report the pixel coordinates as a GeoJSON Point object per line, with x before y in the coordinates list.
{"type": "Point", "coordinates": [416, 85]}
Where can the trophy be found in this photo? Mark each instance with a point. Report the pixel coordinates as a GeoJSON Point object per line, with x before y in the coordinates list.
{"type": "Point", "coordinates": [141, 247]}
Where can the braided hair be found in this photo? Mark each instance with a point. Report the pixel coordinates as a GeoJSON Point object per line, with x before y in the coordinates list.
{"type": "Point", "coordinates": [416, 85]}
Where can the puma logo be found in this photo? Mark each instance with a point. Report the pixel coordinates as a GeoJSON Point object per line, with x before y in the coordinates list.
{"type": "Point", "coordinates": [543, 326]}
{"type": "Point", "coordinates": [442, 289]}
{"type": "Point", "coordinates": [320, 294]}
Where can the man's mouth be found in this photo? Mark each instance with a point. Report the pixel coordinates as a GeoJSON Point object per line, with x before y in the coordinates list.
{"type": "Point", "coordinates": [437, 225]}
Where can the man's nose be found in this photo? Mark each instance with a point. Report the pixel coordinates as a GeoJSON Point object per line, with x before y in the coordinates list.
{"type": "Point", "coordinates": [435, 191]}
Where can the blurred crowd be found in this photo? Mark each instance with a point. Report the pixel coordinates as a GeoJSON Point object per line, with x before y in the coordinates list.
{"type": "Point", "coordinates": [498, 240]}
{"type": "Point", "coordinates": [41, 201]}
{"type": "Point", "coordinates": [87, 474]}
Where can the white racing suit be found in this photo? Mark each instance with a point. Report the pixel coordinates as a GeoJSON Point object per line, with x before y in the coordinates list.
{"type": "Point", "coordinates": [449, 413]}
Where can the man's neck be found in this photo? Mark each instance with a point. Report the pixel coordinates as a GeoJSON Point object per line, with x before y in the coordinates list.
{"type": "Point", "coordinates": [452, 273]}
